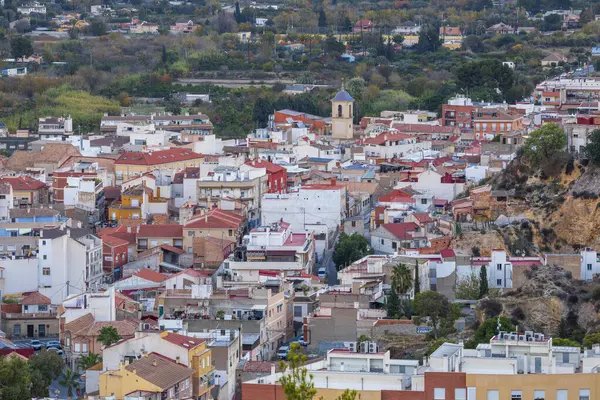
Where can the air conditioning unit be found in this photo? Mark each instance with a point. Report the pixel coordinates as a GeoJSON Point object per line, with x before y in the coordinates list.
{"type": "Point", "coordinates": [364, 347]}
{"type": "Point", "coordinates": [352, 347]}
{"type": "Point", "coordinates": [372, 347]}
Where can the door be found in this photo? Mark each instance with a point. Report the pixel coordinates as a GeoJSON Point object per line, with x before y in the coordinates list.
{"type": "Point", "coordinates": [538, 365]}
{"type": "Point", "coordinates": [29, 330]}
{"type": "Point", "coordinates": [42, 330]}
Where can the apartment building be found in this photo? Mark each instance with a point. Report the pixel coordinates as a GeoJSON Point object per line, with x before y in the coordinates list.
{"type": "Point", "coordinates": [189, 351]}
{"type": "Point", "coordinates": [52, 128]}
{"type": "Point", "coordinates": [270, 252]}
{"type": "Point", "coordinates": [245, 183]}
{"type": "Point", "coordinates": [131, 164]}
{"type": "Point", "coordinates": [31, 315]}
{"type": "Point", "coordinates": [199, 123]}
{"type": "Point", "coordinates": [81, 185]}
{"type": "Point", "coordinates": [70, 261]}
{"type": "Point", "coordinates": [390, 145]}
{"type": "Point", "coordinates": [27, 191]}
{"type": "Point", "coordinates": [488, 123]}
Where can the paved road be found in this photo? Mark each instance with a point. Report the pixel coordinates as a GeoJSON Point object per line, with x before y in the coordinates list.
{"type": "Point", "coordinates": [26, 343]}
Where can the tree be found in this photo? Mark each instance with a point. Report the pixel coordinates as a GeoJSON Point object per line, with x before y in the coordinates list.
{"type": "Point", "coordinates": [590, 340]}
{"type": "Point", "coordinates": [433, 305]}
{"type": "Point", "coordinates": [564, 342]}
{"type": "Point", "coordinates": [45, 367]}
{"type": "Point", "coordinates": [237, 13]}
{"type": "Point", "coordinates": [489, 329]}
{"type": "Point", "coordinates": [483, 282]}
{"type": "Point", "coordinates": [21, 47]}
{"type": "Point", "coordinates": [468, 288]}
{"type": "Point", "coordinates": [392, 304]}
{"type": "Point", "coordinates": [69, 379]}
{"type": "Point", "coordinates": [401, 278]}
{"type": "Point", "coordinates": [349, 249]}
{"type": "Point", "coordinates": [98, 27]}
{"type": "Point", "coordinates": [89, 360]}
{"type": "Point", "coordinates": [398, 39]}
{"type": "Point", "coordinates": [348, 395]}
{"type": "Point", "coordinates": [296, 382]}
{"type": "Point", "coordinates": [108, 335]}
{"type": "Point", "coordinates": [542, 144]}
{"type": "Point", "coordinates": [473, 43]}
{"type": "Point", "coordinates": [592, 150]}
{"type": "Point", "coordinates": [322, 19]}
{"type": "Point", "coordinates": [15, 379]}
{"type": "Point", "coordinates": [429, 39]}
{"type": "Point", "coordinates": [347, 24]}
{"type": "Point", "coordinates": [417, 278]}
{"type": "Point", "coordinates": [485, 77]}
{"type": "Point", "coordinates": [552, 22]}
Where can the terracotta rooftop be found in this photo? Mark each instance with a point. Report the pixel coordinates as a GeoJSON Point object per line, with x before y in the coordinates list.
{"type": "Point", "coordinates": [160, 371]}
{"type": "Point", "coordinates": [35, 298]}
{"type": "Point", "coordinates": [51, 153]}
{"type": "Point", "coordinates": [23, 183]}
{"type": "Point", "coordinates": [157, 157]}
{"type": "Point", "coordinates": [187, 342]}
{"type": "Point", "coordinates": [218, 219]}
{"type": "Point", "coordinates": [113, 241]}
{"type": "Point", "coordinates": [383, 138]}
{"type": "Point", "coordinates": [150, 275]}
{"type": "Point", "coordinates": [401, 230]}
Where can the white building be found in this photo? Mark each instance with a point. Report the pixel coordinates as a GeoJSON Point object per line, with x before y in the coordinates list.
{"type": "Point", "coordinates": [100, 304]}
{"type": "Point", "coordinates": [32, 8]}
{"type": "Point", "coordinates": [508, 353]}
{"type": "Point", "coordinates": [590, 264]}
{"type": "Point", "coordinates": [499, 267]}
{"type": "Point", "coordinates": [50, 128]}
{"type": "Point", "coordinates": [272, 248]}
{"type": "Point", "coordinates": [318, 208]}
{"type": "Point", "coordinates": [70, 261]}
{"type": "Point", "coordinates": [316, 150]}
{"type": "Point", "coordinates": [394, 145]}
{"type": "Point", "coordinates": [430, 182]}
{"type": "Point", "coordinates": [6, 200]}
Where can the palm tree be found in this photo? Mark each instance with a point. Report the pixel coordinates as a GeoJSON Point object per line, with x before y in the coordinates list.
{"type": "Point", "coordinates": [401, 278]}
{"type": "Point", "coordinates": [89, 360]}
{"type": "Point", "coordinates": [69, 379]}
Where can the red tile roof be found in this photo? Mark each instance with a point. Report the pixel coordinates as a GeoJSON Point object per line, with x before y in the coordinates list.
{"type": "Point", "coordinates": [447, 253]}
{"type": "Point", "coordinates": [187, 342]}
{"type": "Point", "coordinates": [397, 196]}
{"type": "Point", "coordinates": [270, 167]}
{"type": "Point", "coordinates": [169, 230]}
{"type": "Point", "coordinates": [383, 138]}
{"type": "Point", "coordinates": [401, 230]}
{"type": "Point", "coordinates": [423, 217]}
{"type": "Point", "coordinates": [172, 249]}
{"type": "Point", "coordinates": [35, 298]}
{"type": "Point", "coordinates": [23, 183]}
{"type": "Point", "coordinates": [157, 157]}
{"type": "Point", "coordinates": [151, 275]}
{"type": "Point", "coordinates": [113, 241]}
{"type": "Point", "coordinates": [216, 219]}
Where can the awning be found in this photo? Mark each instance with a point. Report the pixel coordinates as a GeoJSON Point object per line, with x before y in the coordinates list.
{"type": "Point", "coordinates": [258, 307]}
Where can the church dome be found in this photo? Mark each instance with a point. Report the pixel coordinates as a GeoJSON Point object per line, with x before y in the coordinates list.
{"type": "Point", "coordinates": [342, 95]}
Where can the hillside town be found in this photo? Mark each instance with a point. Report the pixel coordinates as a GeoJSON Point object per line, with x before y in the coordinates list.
{"type": "Point", "coordinates": [317, 200]}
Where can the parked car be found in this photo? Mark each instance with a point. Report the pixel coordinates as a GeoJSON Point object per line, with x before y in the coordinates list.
{"type": "Point", "coordinates": [301, 341]}
{"type": "Point", "coordinates": [53, 344]}
{"type": "Point", "coordinates": [283, 352]}
{"type": "Point", "coordinates": [322, 272]}
{"type": "Point", "coordinates": [36, 344]}
{"type": "Point", "coordinates": [57, 351]}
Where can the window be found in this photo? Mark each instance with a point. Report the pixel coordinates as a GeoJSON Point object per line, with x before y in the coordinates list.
{"type": "Point", "coordinates": [589, 267]}
{"type": "Point", "coordinates": [190, 250]}
{"type": "Point", "coordinates": [516, 395]}
{"type": "Point", "coordinates": [42, 307]}
{"type": "Point", "coordinates": [84, 347]}
{"type": "Point", "coordinates": [492, 395]}
{"type": "Point", "coordinates": [46, 271]}
{"type": "Point", "coordinates": [77, 347]}
{"type": "Point", "coordinates": [460, 394]}
{"type": "Point", "coordinates": [382, 241]}
{"type": "Point", "coordinates": [499, 267]}
{"type": "Point", "coordinates": [499, 282]}
{"type": "Point", "coordinates": [472, 393]}
{"type": "Point", "coordinates": [539, 395]}
{"type": "Point", "coordinates": [44, 257]}
{"type": "Point", "coordinates": [230, 232]}
{"type": "Point", "coordinates": [353, 224]}
{"type": "Point", "coordinates": [562, 394]}
{"type": "Point", "coordinates": [584, 394]}
{"type": "Point", "coordinates": [439, 394]}
{"type": "Point", "coordinates": [339, 110]}
{"type": "Point", "coordinates": [394, 245]}
{"type": "Point", "coordinates": [191, 233]}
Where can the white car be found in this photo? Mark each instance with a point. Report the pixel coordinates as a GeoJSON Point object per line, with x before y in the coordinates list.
{"type": "Point", "coordinates": [322, 273]}
{"type": "Point", "coordinates": [283, 351]}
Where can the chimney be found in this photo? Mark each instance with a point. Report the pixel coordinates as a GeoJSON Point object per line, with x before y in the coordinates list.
{"type": "Point", "coordinates": [272, 369]}
{"type": "Point", "coordinates": [154, 364]}
{"type": "Point", "coordinates": [41, 233]}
